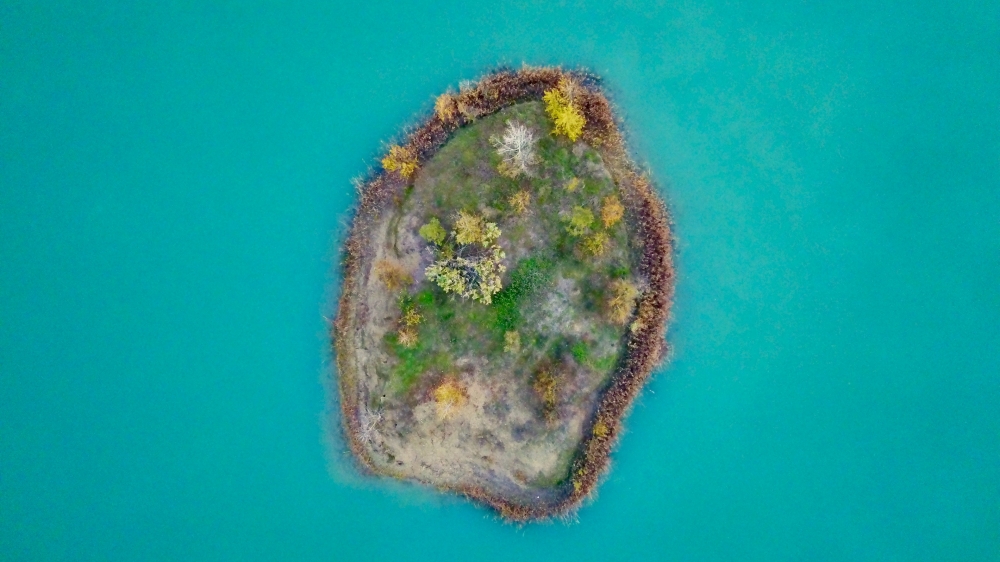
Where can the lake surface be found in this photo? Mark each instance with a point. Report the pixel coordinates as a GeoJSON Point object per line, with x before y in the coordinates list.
{"type": "Point", "coordinates": [174, 181]}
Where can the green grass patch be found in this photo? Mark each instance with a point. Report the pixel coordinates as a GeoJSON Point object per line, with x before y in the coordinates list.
{"type": "Point", "coordinates": [583, 354]}
{"type": "Point", "coordinates": [580, 352]}
{"type": "Point", "coordinates": [530, 275]}
{"type": "Point", "coordinates": [619, 271]}
{"type": "Point", "coordinates": [563, 159]}
{"type": "Point", "coordinates": [604, 364]}
{"type": "Point", "coordinates": [412, 362]}
{"type": "Point", "coordinates": [592, 187]}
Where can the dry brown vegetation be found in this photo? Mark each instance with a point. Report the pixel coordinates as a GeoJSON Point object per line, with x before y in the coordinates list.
{"type": "Point", "coordinates": [622, 301]}
{"type": "Point", "coordinates": [545, 387]}
{"type": "Point", "coordinates": [407, 337]}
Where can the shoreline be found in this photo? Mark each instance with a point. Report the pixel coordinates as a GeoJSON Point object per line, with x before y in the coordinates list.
{"type": "Point", "coordinates": [645, 347]}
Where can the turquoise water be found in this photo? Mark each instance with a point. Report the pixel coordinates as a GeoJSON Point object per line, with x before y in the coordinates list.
{"type": "Point", "coordinates": [173, 181]}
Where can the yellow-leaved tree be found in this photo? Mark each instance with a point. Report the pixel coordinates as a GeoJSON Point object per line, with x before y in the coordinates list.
{"type": "Point", "coordinates": [445, 107]}
{"type": "Point", "coordinates": [519, 202]}
{"type": "Point", "coordinates": [579, 221]}
{"type": "Point", "coordinates": [562, 108]}
{"type": "Point", "coordinates": [449, 397]}
{"type": "Point", "coordinates": [400, 159]}
{"type": "Point", "coordinates": [596, 244]}
{"type": "Point", "coordinates": [433, 232]}
{"type": "Point", "coordinates": [469, 228]}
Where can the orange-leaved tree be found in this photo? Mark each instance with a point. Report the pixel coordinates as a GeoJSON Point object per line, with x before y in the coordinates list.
{"type": "Point", "coordinates": [611, 211]}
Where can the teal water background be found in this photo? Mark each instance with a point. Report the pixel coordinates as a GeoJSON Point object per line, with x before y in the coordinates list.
{"type": "Point", "coordinates": [173, 180]}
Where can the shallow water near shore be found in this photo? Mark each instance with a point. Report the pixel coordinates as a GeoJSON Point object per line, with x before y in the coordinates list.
{"type": "Point", "coordinates": [173, 182]}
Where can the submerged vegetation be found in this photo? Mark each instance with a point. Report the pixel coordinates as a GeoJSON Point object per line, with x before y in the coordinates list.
{"type": "Point", "coordinates": [509, 288]}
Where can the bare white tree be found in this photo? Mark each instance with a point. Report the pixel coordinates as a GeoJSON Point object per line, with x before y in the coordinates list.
{"type": "Point", "coordinates": [369, 426]}
{"type": "Point", "coordinates": [517, 148]}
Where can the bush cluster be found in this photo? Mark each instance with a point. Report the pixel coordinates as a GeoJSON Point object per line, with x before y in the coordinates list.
{"type": "Point", "coordinates": [477, 276]}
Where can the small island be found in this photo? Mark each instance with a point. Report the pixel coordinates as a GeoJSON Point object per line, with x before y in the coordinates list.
{"type": "Point", "coordinates": [506, 285]}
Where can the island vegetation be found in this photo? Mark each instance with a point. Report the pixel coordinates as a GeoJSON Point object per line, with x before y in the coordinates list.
{"type": "Point", "coordinates": [506, 285]}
